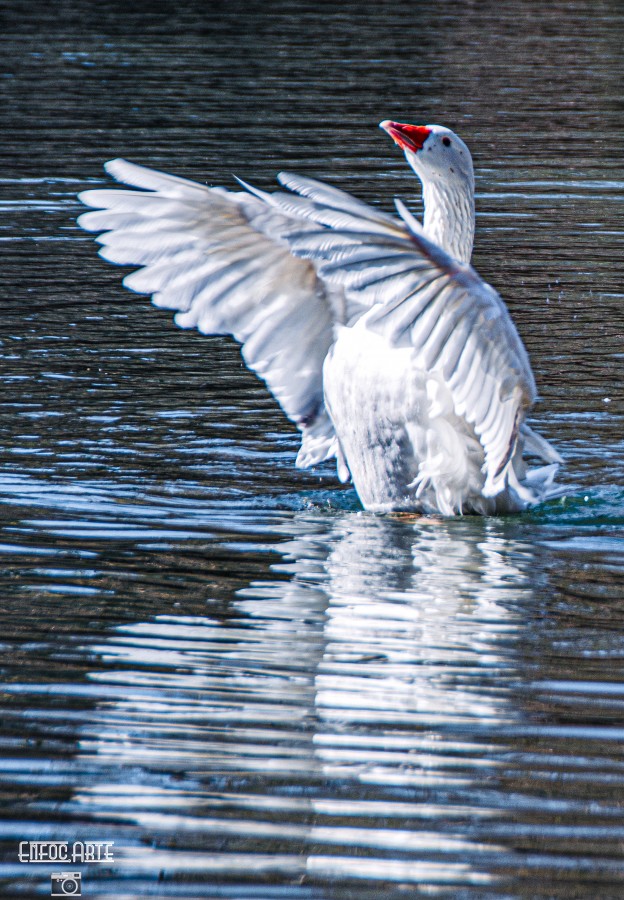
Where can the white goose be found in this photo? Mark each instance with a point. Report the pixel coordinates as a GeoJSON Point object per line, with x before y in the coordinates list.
{"type": "Point", "coordinates": [375, 335]}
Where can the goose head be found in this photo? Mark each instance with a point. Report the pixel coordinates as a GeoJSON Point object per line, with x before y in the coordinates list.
{"type": "Point", "coordinates": [443, 163]}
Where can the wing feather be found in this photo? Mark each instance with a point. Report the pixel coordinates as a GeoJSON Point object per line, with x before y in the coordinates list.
{"type": "Point", "coordinates": [327, 196]}
{"type": "Point", "coordinates": [456, 324]}
{"type": "Point", "coordinates": [204, 252]}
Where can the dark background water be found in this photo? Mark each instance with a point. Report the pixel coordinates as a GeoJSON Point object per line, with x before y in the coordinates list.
{"type": "Point", "coordinates": [218, 661]}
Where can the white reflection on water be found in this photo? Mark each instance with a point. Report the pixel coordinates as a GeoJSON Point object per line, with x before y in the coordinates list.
{"type": "Point", "coordinates": [384, 660]}
{"type": "Point", "coordinates": [408, 626]}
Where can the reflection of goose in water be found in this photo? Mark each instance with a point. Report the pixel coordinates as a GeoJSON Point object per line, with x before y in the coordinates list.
{"type": "Point", "coordinates": [420, 608]}
{"type": "Point", "coordinates": [373, 332]}
{"type": "Point", "coordinates": [373, 669]}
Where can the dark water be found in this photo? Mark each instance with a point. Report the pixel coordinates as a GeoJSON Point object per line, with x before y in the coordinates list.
{"type": "Point", "coordinates": [219, 662]}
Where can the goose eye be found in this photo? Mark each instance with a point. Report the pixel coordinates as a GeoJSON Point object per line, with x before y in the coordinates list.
{"type": "Point", "coordinates": [446, 141]}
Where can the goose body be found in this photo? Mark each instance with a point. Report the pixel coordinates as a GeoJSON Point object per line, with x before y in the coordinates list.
{"type": "Point", "coordinates": [373, 332]}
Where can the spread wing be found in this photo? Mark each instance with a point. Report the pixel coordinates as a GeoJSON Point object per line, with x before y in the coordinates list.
{"type": "Point", "coordinates": [203, 253]}
{"type": "Point", "coordinates": [277, 271]}
{"type": "Point", "coordinates": [456, 324]}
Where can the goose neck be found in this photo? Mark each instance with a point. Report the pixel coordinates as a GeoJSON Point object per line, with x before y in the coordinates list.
{"type": "Point", "coordinates": [449, 217]}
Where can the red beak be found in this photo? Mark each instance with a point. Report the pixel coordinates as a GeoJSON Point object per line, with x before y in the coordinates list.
{"type": "Point", "coordinates": [408, 137]}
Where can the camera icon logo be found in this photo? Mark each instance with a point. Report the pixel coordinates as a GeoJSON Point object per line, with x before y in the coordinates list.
{"type": "Point", "coordinates": [66, 884]}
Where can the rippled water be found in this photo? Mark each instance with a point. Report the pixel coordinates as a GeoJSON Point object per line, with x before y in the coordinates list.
{"type": "Point", "coordinates": [219, 662]}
